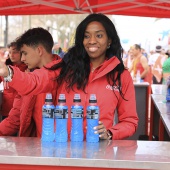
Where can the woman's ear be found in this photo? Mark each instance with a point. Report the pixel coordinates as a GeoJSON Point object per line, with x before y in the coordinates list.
{"type": "Point", "coordinates": [109, 42]}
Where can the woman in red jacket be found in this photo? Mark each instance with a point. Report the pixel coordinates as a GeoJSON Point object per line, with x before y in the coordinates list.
{"type": "Point", "coordinates": [9, 93]}
{"type": "Point", "coordinates": [92, 66]}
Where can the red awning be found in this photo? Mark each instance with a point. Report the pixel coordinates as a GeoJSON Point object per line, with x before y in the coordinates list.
{"type": "Point", "coordinates": [147, 8]}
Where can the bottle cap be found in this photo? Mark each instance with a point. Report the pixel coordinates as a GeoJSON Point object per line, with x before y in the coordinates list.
{"type": "Point", "coordinates": [76, 98]}
{"type": "Point", "coordinates": [48, 97]}
{"type": "Point", "coordinates": [62, 98]}
{"type": "Point", "coordinates": [92, 98]}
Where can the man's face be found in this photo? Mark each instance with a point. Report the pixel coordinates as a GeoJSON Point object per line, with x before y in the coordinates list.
{"type": "Point", "coordinates": [31, 56]}
{"type": "Point", "coordinates": [14, 55]}
{"type": "Point", "coordinates": [135, 52]}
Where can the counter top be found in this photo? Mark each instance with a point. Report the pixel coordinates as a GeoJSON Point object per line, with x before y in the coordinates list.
{"type": "Point", "coordinates": [161, 104]}
{"type": "Point", "coordinates": [107, 154]}
{"type": "Point", "coordinates": [159, 89]}
{"type": "Point", "coordinates": [163, 108]}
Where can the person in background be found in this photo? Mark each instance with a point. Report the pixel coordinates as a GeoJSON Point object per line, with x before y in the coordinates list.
{"type": "Point", "coordinates": [168, 53]}
{"type": "Point", "coordinates": [58, 50]}
{"type": "Point", "coordinates": [139, 63]}
{"type": "Point", "coordinates": [155, 65]}
{"type": "Point", "coordinates": [9, 93]}
{"type": "Point", "coordinates": [166, 68]}
{"type": "Point", "coordinates": [24, 117]}
{"type": "Point", "coordinates": [93, 63]}
{"type": "Point", "coordinates": [144, 53]}
{"type": "Point", "coordinates": [129, 59]}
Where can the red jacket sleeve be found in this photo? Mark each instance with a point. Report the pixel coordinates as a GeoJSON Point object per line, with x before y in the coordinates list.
{"type": "Point", "coordinates": [33, 83]}
{"type": "Point", "coordinates": [11, 124]}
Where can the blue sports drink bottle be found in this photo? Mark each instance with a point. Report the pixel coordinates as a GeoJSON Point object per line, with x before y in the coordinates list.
{"type": "Point", "coordinates": [92, 119]}
{"type": "Point", "coordinates": [168, 90]}
{"type": "Point", "coordinates": [77, 119]}
{"type": "Point", "coordinates": [61, 117]}
{"type": "Point", "coordinates": [48, 119]}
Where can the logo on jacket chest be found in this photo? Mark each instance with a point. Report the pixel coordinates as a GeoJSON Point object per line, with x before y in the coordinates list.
{"type": "Point", "coordinates": [115, 88]}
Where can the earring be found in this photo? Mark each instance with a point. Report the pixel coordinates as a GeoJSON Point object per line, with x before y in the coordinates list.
{"type": "Point", "coordinates": [108, 46]}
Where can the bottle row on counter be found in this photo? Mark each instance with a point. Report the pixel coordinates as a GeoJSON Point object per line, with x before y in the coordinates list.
{"type": "Point", "coordinates": [55, 118]}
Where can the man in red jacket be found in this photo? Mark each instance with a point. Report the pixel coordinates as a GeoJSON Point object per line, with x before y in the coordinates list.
{"type": "Point", "coordinates": [23, 118]}
{"type": "Point", "coordinates": [9, 93]}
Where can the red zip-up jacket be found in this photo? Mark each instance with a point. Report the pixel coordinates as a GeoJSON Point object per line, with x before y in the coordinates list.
{"type": "Point", "coordinates": [25, 114]}
{"type": "Point", "coordinates": [108, 97]}
{"type": "Point", "coordinates": [9, 94]}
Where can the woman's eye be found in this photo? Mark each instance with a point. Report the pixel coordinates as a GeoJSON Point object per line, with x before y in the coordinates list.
{"type": "Point", "coordinates": [86, 36]}
{"type": "Point", "coordinates": [99, 35]}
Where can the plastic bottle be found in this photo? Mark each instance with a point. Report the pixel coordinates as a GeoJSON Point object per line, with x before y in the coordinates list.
{"type": "Point", "coordinates": [92, 119]}
{"type": "Point", "coordinates": [48, 119]}
{"type": "Point", "coordinates": [138, 78]}
{"type": "Point", "coordinates": [168, 90]}
{"type": "Point", "coordinates": [61, 118]}
{"type": "Point", "coordinates": [77, 119]}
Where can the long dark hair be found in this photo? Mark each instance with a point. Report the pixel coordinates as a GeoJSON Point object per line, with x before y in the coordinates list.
{"type": "Point", "coordinates": [75, 66]}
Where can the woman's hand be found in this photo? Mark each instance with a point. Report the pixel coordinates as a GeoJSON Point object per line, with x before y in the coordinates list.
{"type": "Point", "coordinates": [101, 130]}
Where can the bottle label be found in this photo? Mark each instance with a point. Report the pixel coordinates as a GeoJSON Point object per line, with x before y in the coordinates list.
{"type": "Point", "coordinates": [48, 112]}
{"type": "Point", "coordinates": [61, 113]}
{"type": "Point", "coordinates": [93, 114]}
{"type": "Point", "coordinates": [77, 113]}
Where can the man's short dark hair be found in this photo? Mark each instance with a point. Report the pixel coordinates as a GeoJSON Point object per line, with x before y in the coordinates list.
{"type": "Point", "coordinates": [137, 46]}
{"type": "Point", "coordinates": [34, 37]}
{"type": "Point", "coordinates": [12, 44]}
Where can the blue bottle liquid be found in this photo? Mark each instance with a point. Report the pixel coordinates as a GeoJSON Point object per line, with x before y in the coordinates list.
{"type": "Point", "coordinates": [61, 118]}
{"type": "Point", "coordinates": [48, 119]}
{"type": "Point", "coordinates": [168, 94]}
{"type": "Point", "coordinates": [77, 119]}
{"type": "Point", "coordinates": [168, 91]}
{"type": "Point", "coordinates": [92, 119]}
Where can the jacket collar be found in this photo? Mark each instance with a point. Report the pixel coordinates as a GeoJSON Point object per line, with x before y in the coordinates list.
{"type": "Point", "coordinates": [106, 67]}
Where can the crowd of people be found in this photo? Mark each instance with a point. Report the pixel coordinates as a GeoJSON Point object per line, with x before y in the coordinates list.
{"type": "Point", "coordinates": [96, 61]}
{"type": "Point", "coordinates": [154, 67]}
